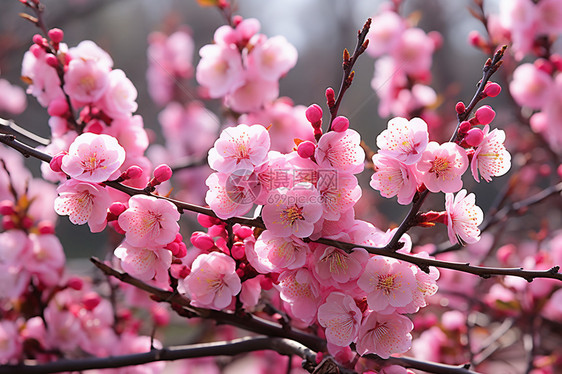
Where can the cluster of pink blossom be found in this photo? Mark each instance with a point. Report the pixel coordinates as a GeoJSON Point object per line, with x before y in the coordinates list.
{"type": "Point", "coordinates": [244, 66]}
{"type": "Point", "coordinates": [402, 70]}
{"type": "Point", "coordinates": [12, 98]}
{"type": "Point", "coordinates": [408, 162]}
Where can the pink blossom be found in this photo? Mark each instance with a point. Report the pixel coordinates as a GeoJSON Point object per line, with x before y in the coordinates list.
{"type": "Point", "coordinates": [404, 140]}
{"type": "Point", "coordinates": [384, 335]}
{"type": "Point", "coordinates": [64, 330]}
{"type": "Point", "coordinates": [119, 98]}
{"type": "Point", "coordinates": [240, 147]}
{"type": "Point", "coordinates": [549, 17]}
{"type": "Point", "coordinates": [273, 58]}
{"type": "Point", "coordinates": [519, 17]}
{"type": "Point", "coordinates": [394, 178]}
{"type": "Point", "coordinates": [341, 151]}
{"type": "Point", "coordinates": [287, 123]}
{"type": "Point", "coordinates": [442, 167]}
{"type": "Point", "coordinates": [463, 217]}
{"type": "Point", "coordinates": [89, 50]}
{"type": "Point", "coordinates": [93, 158]}
{"type": "Point", "coordinates": [250, 292]}
{"type": "Point", "coordinates": [253, 95]}
{"type": "Point", "coordinates": [45, 82]}
{"type": "Point", "coordinates": [45, 258]}
{"type": "Point", "coordinates": [389, 284]}
{"type": "Point", "coordinates": [213, 281]}
{"type": "Point", "coordinates": [12, 98]}
{"type": "Point", "coordinates": [220, 69]}
{"type": "Point", "coordinates": [491, 158]}
{"type": "Point", "coordinates": [149, 221]}
{"type": "Point", "coordinates": [292, 211]}
{"type": "Point", "coordinates": [530, 86]}
{"type": "Point", "coordinates": [388, 80]}
{"type": "Point", "coordinates": [299, 291]}
{"type": "Point", "coordinates": [276, 253]}
{"type": "Point", "coordinates": [341, 318]}
{"type": "Point", "coordinates": [385, 32]}
{"type": "Point", "coordinates": [412, 100]}
{"type": "Point", "coordinates": [231, 195]}
{"type": "Point", "coordinates": [10, 342]}
{"type": "Point", "coordinates": [144, 263]}
{"type": "Point", "coordinates": [131, 135]}
{"type": "Point", "coordinates": [85, 80]}
{"type": "Point", "coordinates": [339, 191]}
{"type": "Point", "coordinates": [414, 50]}
{"type": "Point", "coordinates": [334, 266]}
{"type": "Point", "coordinates": [83, 202]}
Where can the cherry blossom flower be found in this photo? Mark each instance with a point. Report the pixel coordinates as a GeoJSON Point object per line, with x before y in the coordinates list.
{"type": "Point", "coordinates": [83, 202]}
{"type": "Point", "coordinates": [149, 221]}
{"type": "Point", "coordinates": [45, 82]}
{"type": "Point", "coordinates": [213, 281]}
{"type": "Point", "coordinates": [45, 258]}
{"type": "Point", "coordinates": [292, 211]}
{"type": "Point", "coordinates": [394, 178]}
{"type": "Point", "coordinates": [240, 147]}
{"type": "Point", "coordinates": [276, 253]}
{"type": "Point", "coordinates": [384, 335]}
{"type": "Point", "coordinates": [490, 158]}
{"type": "Point", "coordinates": [341, 151]}
{"type": "Point", "coordinates": [442, 167]}
{"type": "Point", "coordinates": [10, 342]}
{"type": "Point", "coordinates": [341, 318]}
{"type": "Point", "coordinates": [253, 95]}
{"type": "Point", "coordinates": [404, 140]}
{"type": "Point", "coordinates": [93, 158]}
{"type": "Point", "coordinates": [220, 69]}
{"type": "Point", "coordinates": [530, 86]}
{"type": "Point", "coordinates": [85, 81]}
{"type": "Point", "coordinates": [231, 195]}
{"type": "Point", "coordinates": [389, 284]}
{"type": "Point", "coordinates": [119, 98]}
{"type": "Point", "coordinates": [299, 290]}
{"type": "Point", "coordinates": [335, 266]}
{"type": "Point", "coordinates": [144, 263]}
{"type": "Point", "coordinates": [273, 58]}
{"type": "Point", "coordinates": [414, 50]}
{"type": "Point", "coordinates": [463, 217]}
{"type": "Point", "coordinates": [385, 32]}
{"type": "Point", "coordinates": [339, 191]}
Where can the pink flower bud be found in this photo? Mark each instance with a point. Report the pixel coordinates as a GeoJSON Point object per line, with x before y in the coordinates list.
{"type": "Point", "coordinates": [244, 232]}
{"type": "Point", "coordinates": [492, 89]}
{"type": "Point", "coordinates": [475, 39]}
{"type": "Point", "coordinates": [75, 283]}
{"type": "Point", "coordinates": [46, 227]}
{"type": "Point", "coordinates": [330, 97]}
{"type": "Point", "coordinates": [238, 251]}
{"type": "Point", "coordinates": [26, 222]}
{"type": "Point", "coordinates": [202, 241]}
{"type": "Point", "coordinates": [556, 60]}
{"type": "Point", "coordinates": [240, 272]}
{"type": "Point", "coordinates": [314, 113]}
{"type": "Point", "coordinates": [474, 137]}
{"type": "Point", "coordinates": [182, 250]}
{"type": "Point", "coordinates": [464, 127]}
{"type": "Point", "coordinates": [436, 38]}
{"type": "Point", "coordinates": [56, 162]}
{"type": "Point", "coordinates": [51, 60]}
{"type": "Point", "coordinates": [485, 115]}
{"type": "Point", "coordinates": [460, 107]}
{"type": "Point", "coordinates": [266, 283]}
{"type": "Point", "coordinates": [162, 173]}
{"type": "Point", "coordinates": [132, 172]}
{"type": "Point", "coordinates": [173, 247]}
{"type": "Point", "coordinates": [91, 300]}
{"type": "Point", "coordinates": [306, 149]}
{"type": "Point", "coordinates": [58, 107]}
{"type": "Point", "coordinates": [39, 40]}
{"type": "Point", "coordinates": [36, 50]}
{"type": "Point", "coordinates": [544, 65]}
{"type": "Point", "coordinates": [207, 221]}
{"type": "Point", "coordinates": [340, 124]}
{"type": "Point", "coordinates": [56, 35]}
{"type": "Point", "coordinates": [7, 208]}
{"type": "Point", "coordinates": [8, 223]}
{"type": "Point", "coordinates": [179, 271]}
{"type": "Point", "coordinates": [117, 208]}
{"type": "Point", "coordinates": [95, 127]}
{"type": "Point", "coordinates": [160, 315]}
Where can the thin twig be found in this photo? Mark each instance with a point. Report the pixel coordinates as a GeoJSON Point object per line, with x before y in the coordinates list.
{"type": "Point", "coordinates": [9, 127]}
{"type": "Point", "coordinates": [430, 367]}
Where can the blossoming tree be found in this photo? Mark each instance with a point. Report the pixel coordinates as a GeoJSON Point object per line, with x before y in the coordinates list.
{"type": "Point", "coordinates": [285, 272]}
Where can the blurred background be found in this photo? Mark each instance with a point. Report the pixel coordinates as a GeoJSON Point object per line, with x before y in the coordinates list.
{"type": "Point", "coordinates": [319, 29]}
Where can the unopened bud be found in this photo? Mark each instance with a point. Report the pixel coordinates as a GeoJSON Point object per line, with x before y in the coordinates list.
{"type": "Point", "coordinates": [306, 149]}
{"type": "Point", "coordinates": [340, 124]}
{"type": "Point", "coordinates": [238, 251]}
{"type": "Point", "coordinates": [56, 162]}
{"type": "Point", "coordinates": [474, 137]}
{"type": "Point", "coordinates": [162, 173]}
{"type": "Point", "coordinates": [460, 107]}
{"type": "Point", "coordinates": [58, 107]}
{"type": "Point", "coordinates": [133, 172]}
{"type": "Point", "coordinates": [492, 89]}
{"type": "Point", "coordinates": [207, 221]}
{"type": "Point", "coordinates": [485, 115]}
{"type": "Point", "coordinates": [39, 40]}
{"type": "Point", "coordinates": [330, 97]}
{"type": "Point", "coordinates": [464, 127]}
{"type": "Point", "coordinates": [314, 113]}
{"type": "Point", "coordinates": [202, 241]}
{"type": "Point", "coordinates": [75, 283]}
{"type": "Point", "coordinates": [51, 60]}
{"type": "Point", "coordinates": [91, 300]}
{"type": "Point", "coordinates": [46, 227]}
{"type": "Point", "coordinates": [7, 208]}
{"type": "Point", "coordinates": [56, 35]}
{"type": "Point", "coordinates": [117, 208]}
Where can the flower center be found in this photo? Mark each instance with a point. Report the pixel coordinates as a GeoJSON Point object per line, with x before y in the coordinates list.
{"type": "Point", "coordinates": [439, 166]}
{"type": "Point", "coordinates": [291, 214]}
{"type": "Point", "coordinates": [387, 283]}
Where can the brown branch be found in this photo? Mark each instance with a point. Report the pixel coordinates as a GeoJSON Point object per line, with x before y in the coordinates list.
{"type": "Point", "coordinates": [10, 128]}
{"type": "Point", "coordinates": [246, 322]}
{"type": "Point", "coordinates": [412, 363]}
{"type": "Point", "coordinates": [224, 348]}
{"type": "Point", "coordinates": [348, 73]}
